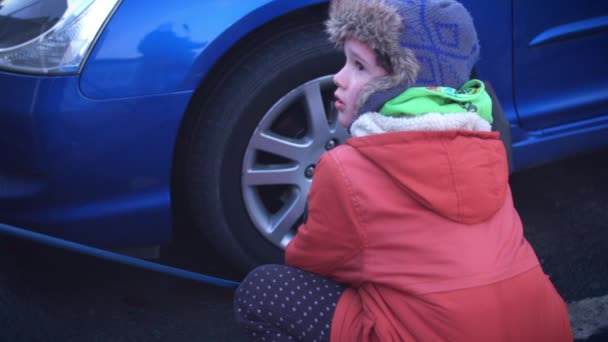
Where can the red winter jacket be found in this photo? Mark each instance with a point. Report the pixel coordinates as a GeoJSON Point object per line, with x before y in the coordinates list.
{"type": "Point", "coordinates": [421, 226]}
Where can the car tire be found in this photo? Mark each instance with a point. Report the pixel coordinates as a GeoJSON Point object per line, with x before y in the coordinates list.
{"type": "Point", "coordinates": [277, 68]}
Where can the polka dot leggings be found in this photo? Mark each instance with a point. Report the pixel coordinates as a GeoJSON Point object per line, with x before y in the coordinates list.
{"type": "Point", "coordinates": [281, 303]}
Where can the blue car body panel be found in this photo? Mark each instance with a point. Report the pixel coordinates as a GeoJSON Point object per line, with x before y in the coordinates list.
{"type": "Point", "coordinates": [173, 45]}
{"type": "Point", "coordinates": [560, 84]}
{"type": "Point", "coordinates": [86, 168]}
{"type": "Point", "coordinates": [88, 157]}
{"type": "Point", "coordinates": [560, 64]}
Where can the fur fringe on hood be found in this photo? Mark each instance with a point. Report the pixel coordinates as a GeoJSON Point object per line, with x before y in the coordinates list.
{"type": "Point", "coordinates": [419, 42]}
{"type": "Point", "coordinates": [381, 30]}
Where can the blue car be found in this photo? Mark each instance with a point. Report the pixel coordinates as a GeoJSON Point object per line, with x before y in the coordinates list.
{"type": "Point", "coordinates": [120, 119]}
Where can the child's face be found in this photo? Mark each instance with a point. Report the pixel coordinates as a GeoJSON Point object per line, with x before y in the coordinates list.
{"type": "Point", "coordinates": [360, 68]}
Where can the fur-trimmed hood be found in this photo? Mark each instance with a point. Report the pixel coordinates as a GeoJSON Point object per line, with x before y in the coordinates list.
{"type": "Point", "coordinates": [424, 42]}
{"type": "Point", "coordinates": [381, 31]}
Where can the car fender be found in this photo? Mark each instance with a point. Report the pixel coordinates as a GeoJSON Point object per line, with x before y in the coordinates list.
{"type": "Point", "coordinates": [169, 47]}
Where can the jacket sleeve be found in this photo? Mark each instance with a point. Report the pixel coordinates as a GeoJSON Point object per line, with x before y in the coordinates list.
{"type": "Point", "coordinates": [331, 235]}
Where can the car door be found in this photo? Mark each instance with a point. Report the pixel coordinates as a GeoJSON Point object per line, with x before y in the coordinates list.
{"type": "Point", "coordinates": [560, 61]}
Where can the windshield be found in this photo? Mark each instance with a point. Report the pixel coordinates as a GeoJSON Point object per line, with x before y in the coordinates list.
{"type": "Point", "coordinates": [24, 20]}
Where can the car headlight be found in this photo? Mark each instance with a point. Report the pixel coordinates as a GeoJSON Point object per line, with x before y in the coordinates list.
{"type": "Point", "coordinates": [49, 36]}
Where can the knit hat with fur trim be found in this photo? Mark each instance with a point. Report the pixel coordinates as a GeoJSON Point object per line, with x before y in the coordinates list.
{"type": "Point", "coordinates": [419, 42]}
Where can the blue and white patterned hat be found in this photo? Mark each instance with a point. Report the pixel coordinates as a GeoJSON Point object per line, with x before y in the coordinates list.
{"type": "Point", "coordinates": [420, 42]}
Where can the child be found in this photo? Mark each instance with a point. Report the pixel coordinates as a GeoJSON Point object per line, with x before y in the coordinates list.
{"type": "Point", "coordinates": [411, 232]}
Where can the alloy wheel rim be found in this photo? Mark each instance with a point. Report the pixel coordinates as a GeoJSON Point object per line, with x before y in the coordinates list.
{"type": "Point", "coordinates": [281, 155]}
